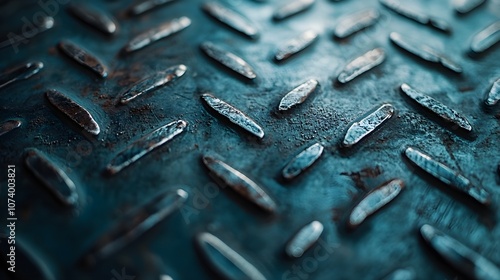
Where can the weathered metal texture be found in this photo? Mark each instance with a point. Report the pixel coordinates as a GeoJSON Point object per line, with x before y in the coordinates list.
{"type": "Point", "coordinates": [387, 244]}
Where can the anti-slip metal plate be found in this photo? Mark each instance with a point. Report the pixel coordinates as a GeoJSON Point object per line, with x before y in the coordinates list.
{"type": "Point", "coordinates": [219, 229]}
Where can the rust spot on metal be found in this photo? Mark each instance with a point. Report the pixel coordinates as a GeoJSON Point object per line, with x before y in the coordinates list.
{"type": "Point", "coordinates": [357, 177]}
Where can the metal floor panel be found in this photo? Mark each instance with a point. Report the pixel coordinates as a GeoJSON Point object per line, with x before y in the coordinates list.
{"type": "Point", "coordinates": [59, 236]}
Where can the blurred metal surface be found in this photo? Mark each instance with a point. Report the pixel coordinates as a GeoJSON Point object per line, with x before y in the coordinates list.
{"type": "Point", "coordinates": [388, 242]}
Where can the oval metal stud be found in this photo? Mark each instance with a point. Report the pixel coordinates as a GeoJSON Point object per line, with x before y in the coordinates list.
{"type": "Point", "coordinates": [493, 94]}
{"type": "Point", "coordinates": [401, 274]}
{"type": "Point", "coordinates": [424, 52]}
{"type": "Point", "coordinates": [225, 260]}
{"type": "Point", "coordinates": [360, 129]}
{"type": "Point", "coordinates": [163, 31]}
{"type": "Point", "coordinates": [302, 161]}
{"type": "Point", "coordinates": [362, 64]}
{"type": "Point", "coordinates": [295, 45]}
{"type": "Point", "coordinates": [52, 177]}
{"type": "Point", "coordinates": [304, 239]}
{"type": "Point", "coordinates": [465, 6]}
{"type": "Point", "coordinates": [486, 38]}
{"type": "Point", "coordinates": [298, 95]}
{"type": "Point", "coordinates": [94, 17]}
{"type": "Point", "coordinates": [21, 72]}
{"type": "Point", "coordinates": [145, 145]}
{"type": "Point", "coordinates": [134, 224]}
{"type": "Point", "coordinates": [292, 8]}
{"type": "Point", "coordinates": [84, 58]}
{"type": "Point", "coordinates": [461, 257]}
{"type": "Point", "coordinates": [437, 107]}
{"type": "Point", "coordinates": [448, 176]}
{"type": "Point", "coordinates": [422, 18]}
{"type": "Point", "coordinates": [146, 6]}
{"type": "Point", "coordinates": [153, 82]}
{"type": "Point", "coordinates": [233, 115]}
{"type": "Point", "coordinates": [8, 126]}
{"type": "Point", "coordinates": [353, 23]}
{"type": "Point", "coordinates": [74, 111]}
{"type": "Point", "coordinates": [228, 59]}
{"type": "Point", "coordinates": [374, 200]}
{"type": "Point", "coordinates": [232, 19]}
{"type": "Point", "coordinates": [239, 183]}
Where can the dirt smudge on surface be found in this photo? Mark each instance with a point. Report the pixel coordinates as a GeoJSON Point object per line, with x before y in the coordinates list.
{"type": "Point", "coordinates": [368, 172]}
